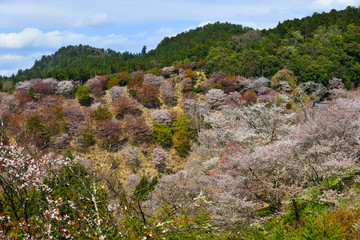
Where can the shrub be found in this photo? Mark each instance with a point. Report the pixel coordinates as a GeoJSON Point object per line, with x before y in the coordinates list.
{"type": "Point", "coordinates": [159, 157]}
{"type": "Point", "coordinates": [117, 92]}
{"type": "Point", "coordinates": [137, 128]}
{"type": "Point", "coordinates": [86, 138]}
{"type": "Point", "coordinates": [135, 85]}
{"type": "Point", "coordinates": [250, 97]}
{"type": "Point", "coordinates": [110, 133]}
{"type": "Point", "coordinates": [125, 105]}
{"type": "Point", "coordinates": [43, 89]}
{"type": "Point", "coordinates": [118, 79]}
{"type": "Point", "coordinates": [167, 93]}
{"type": "Point", "coordinates": [190, 74]}
{"type": "Point", "coordinates": [181, 143]}
{"type": "Point", "coordinates": [102, 113]}
{"type": "Point", "coordinates": [162, 134]}
{"type": "Point", "coordinates": [148, 96]}
{"type": "Point", "coordinates": [83, 95]}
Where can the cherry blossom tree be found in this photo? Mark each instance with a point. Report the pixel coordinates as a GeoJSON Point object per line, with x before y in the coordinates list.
{"type": "Point", "coordinates": [168, 94]}
{"type": "Point", "coordinates": [152, 79]}
{"type": "Point", "coordinates": [162, 116]}
{"type": "Point", "coordinates": [160, 158]}
{"type": "Point", "coordinates": [65, 88]}
{"type": "Point", "coordinates": [167, 71]}
{"type": "Point", "coordinates": [117, 92]}
{"type": "Point", "coordinates": [215, 98]}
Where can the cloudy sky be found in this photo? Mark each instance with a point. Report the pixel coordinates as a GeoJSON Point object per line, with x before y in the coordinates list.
{"type": "Point", "coordinates": [30, 29]}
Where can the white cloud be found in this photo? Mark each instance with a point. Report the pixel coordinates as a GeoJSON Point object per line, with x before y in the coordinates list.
{"type": "Point", "coordinates": [11, 63]}
{"type": "Point", "coordinates": [33, 37]}
{"type": "Point", "coordinates": [329, 4]}
{"type": "Point", "coordinates": [34, 41]}
{"type": "Point", "coordinates": [97, 20]}
{"type": "Point", "coordinates": [8, 72]}
{"type": "Point", "coordinates": [10, 58]}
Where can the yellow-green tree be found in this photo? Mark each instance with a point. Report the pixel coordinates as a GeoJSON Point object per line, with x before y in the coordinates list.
{"type": "Point", "coordinates": [284, 75]}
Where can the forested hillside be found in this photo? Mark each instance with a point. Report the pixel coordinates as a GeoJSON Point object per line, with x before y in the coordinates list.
{"type": "Point", "coordinates": [223, 132]}
{"type": "Point", "coordinates": [315, 48]}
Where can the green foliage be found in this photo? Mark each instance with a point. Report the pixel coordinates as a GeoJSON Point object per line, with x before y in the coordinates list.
{"type": "Point", "coordinates": [155, 71]}
{"type": "Point", "coordinates": [315, 48]}
{"type": "Point", "coordinates": [181, 143]}
{"type": "Point", "coordinates": [86, 138]}
{"type": "Point", "coordinates": [162, 134]}
{"type": "Point", "coordinates": [216, 86]}
{"type": "Point", "coordinates": [197, 89]}
{"type": "Point", "coordinates": [284, 75]}
{"type": "Point", "coordinates": [68, 154]}
{"type": "Point", "coordinates": [183, 123]}
{"type": "Point", "coordinates": [31, 92]}
{"type": "Point", "coordinates": [34, 125]}
{"type": "Point", "coordinates": [102, 113]}
{"type": "Point", "coordinates": [144, 187]}
{"type": "Point", "coordinates": [8, 87]}
{"type": "Point", "coordinates": [83, 95]}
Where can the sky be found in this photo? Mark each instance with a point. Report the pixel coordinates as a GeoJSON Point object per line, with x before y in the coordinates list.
{"type": "Point", "coordinates": [31, 29]}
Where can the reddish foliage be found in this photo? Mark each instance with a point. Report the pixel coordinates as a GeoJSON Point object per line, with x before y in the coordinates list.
{"type": "Point", "coordinates": [110, 133]}
{"type": "Point", "coordinates": [207, 84]}
{"type": "Point", "coordinates": [102, 80]}
{"type": "Point", "coordinates": [74, 117]}
{"type": "Point", "coordinates": [51, 101]}
{"type": "Point", "coordinates": [200, 63]}
{"type": "Point", "coordinates": [229, 84]}
{"type": "Point", "coordinates": [125, 105]}
{"type": "Point", "coordinates": [138, 74]}
{"type": "Point", "coordinates": [22, 97]}
{"type": "Point", "coordinates": [137, 128]}
{"type": "Point", "coordinates": [187, 84]}
{"type": "Point", "coordinates": [250, 97]}
{"type": "Point", "coordinates": [149, 96]}
{"type": "Point", "coordinates": [97, 89]}
{"type": "Point", "coordinates": [135, 85]}
{"type": "Point", "coordinates": [43, 89]}
{"type": "Point", "coordinates": [189, 95]}
{"type": "Point", "coordinates": [179, 66]}
{"type": "Point", "coordinates": [190, 65]}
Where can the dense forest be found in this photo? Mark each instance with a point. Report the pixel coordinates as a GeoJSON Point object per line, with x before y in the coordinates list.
{"type": "Point", "coordinates": [315, 48]}
{"type": "Point", "coordinates": [222, 132]}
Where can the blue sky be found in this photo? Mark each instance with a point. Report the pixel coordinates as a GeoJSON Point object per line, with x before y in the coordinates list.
{"type": "Point", "coordinates": [30, 29]}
